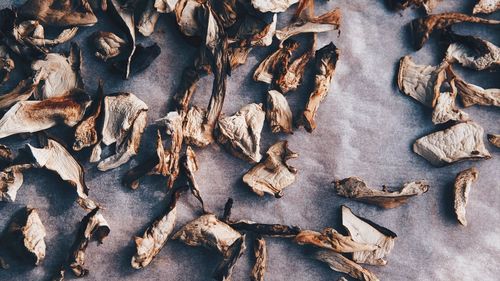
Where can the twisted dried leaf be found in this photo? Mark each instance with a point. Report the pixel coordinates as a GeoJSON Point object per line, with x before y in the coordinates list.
{"type": "Point", "coordinates": [260, 254]}
{"type": "Point", "coordinates": [60, 12]}
{"type": "Point", "coordinates": [460, 142]}
{"type": "Point", "coordinates": [445, 109]}
{"type": "Point", "coordinates": [472, 52]}
{"type": "Point", "coordinates": [23, 91]}
{"type": "Point", "coordinates": [471, 94]}
{"type": "Point", "coordinates": [86, 132]}
{"type": "Point", "coordinates": [330, 239]}
{"type": "Point", "coordinates": [266, 70]}
{"type": "Point", "coordinates": [273, 230]}
{"type": "Point", "coordinates": [225, 267]}
{"type": "Point", "coordinates": [462, 187]}
{"type": "Point", "coordinates": [339, 263]}
{"type": "Point", "coordinates": [278, 113]}
{"type": "Point", "coordinates": [273, 174]}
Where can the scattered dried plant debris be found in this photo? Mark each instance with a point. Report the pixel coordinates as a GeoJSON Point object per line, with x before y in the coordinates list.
{"type": "Point", "coordinates": [209, 232]}
{"type": "Point", "coordinates": [240, 133]}
{"type": "Point", "coordinates": [365, 231]}
{"type": "Point", "coordinates": [11, 180]}
{"type": "Point", "coordinates": [225, 267]}
{"type": "Point", "coordinates": [56, 158]}
{"type": "Point", "coordinates": [494, 139]}
{"type": "Point", "coordinates": [423, 27]}
{"type": "Point", "coordinates": [472, 52]}
{"type": "Point", "coordinates": [86, 132]}
{"type": "Point", "coordinates": [355, 188]}
{"type": "Point", "coordinates": [260, 254]}
{"type": "Point", "coordinates": [6, 64]}
{"type": "Point", "coordinates": [60, 73]}
{"type": "Point", "coordinates": [421, 82]}
{"type": "Point", "coordinates": [125, 117]}
{"type": "Point", "coordinates": [108, 45]}
{"type": "Point", "coordinates": [156, 236]}
{"type": "Point", "coordinates": [462, 187]}
{"type": "Point", "coordinates": [92, 226]}
{"type": "Point", "coordinates": [59, 12]}
{"type": "Point", "coordinates": [35, 116]}
{"type": "Point", "coordinates": [273, 6]}
{"type": "Point", "coordinates": [460, 142]}
{"type": "Point", "coordinates": [428, 5]}
{"type": "Point", "coordinates": [471, 94]}
{"type": "Point", "coordinates": [339, 263]}
{"type": "Point", "coordinates": [325, 62]}
{"type": "Point", "coordinates": [445, 109]}
{"type": "Point", "coordinates": [330, 239]}
{"type": "Point", "coordinates": [273, 174]}
{"type": "Point", "coordinates": [26, 236]}
{"type": "Point", "coordinates": [278, 113]}
{"type": "Point", "coordinates": [486, 7]}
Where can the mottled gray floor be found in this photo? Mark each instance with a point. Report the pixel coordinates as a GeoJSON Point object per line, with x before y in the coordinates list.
{"type": "Point", "coordinates": [366, 128]}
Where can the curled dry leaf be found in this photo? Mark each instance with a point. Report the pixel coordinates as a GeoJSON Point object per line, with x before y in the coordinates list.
{"type": "Point", "coordinates": [473, 52]}
{"type": "Point", "coordinates": [209, 232]}
{"type": "Point", "coordinates": [278, 113]}
{"type": "Point", "coordinates": [6, 64]}
{"type": "Point", "coordinates": [11, 179]}
{"type": "Point", "coordinates": [273, 230]}
{"type": "Point", "coordinates": [311, 24]}
{"type": "Point", "coordinates": [26, 236]}
{"type": "Point", "coordinates": [330, 239]}
{"type": "Point", "coordinates": [494, 139]}
{"type": "Point", "coordinates": [165, 6]}
{"type": "Point", "coordinates": [339, 263]}
{"type": "Point", "coordinates": [462, 187]}
{"type": "Point", "coordinates": [35, 116]}
{"type": "Point", "coordinates": [273, 174]}
{"type": "Point", "coordinates": [240, 133]}
{"type": "Point", "coordinates": [289, 75]}
{"type": "Point", "coordinates": [460, 142]}
{"type": "Point", "coordinates": [273, 6]}
{"type": "Point", "coordinates": [260, 254]}
{"type": "Point", "coordinates": [156, 236]}
{"type": "Point", "coordinates": [23, 91]}
{"type": "Point", "coordinates": [423, 27]}
{"type": "Point", "coordinates": [13, 37]}
{"type": "Point", "coordinates": [92, 226]}
{"type": "Point", "coordinates": [126, 18]}
{"type": "Point", "coordinates": [365, 231]}
{"type": "Point", "coordinates": [60, 73]}
{"type": "Point", "coordinates": [428, 5]}
{"type": "Point", "coordinates": [357, 189]}
{"type": "Point", "coordinates": [471, 94]}
{"type": "Point", "coordinates": [189, 165]}
{"type": "Point", "coordinates": [108, 45]}
{"type": "Point", "coordinates": [225, 267]}
{"type": "Point", "coordinates": [486, 6]}
{"type": "Point", "coordinates": [125, 117]}
{"type": "Point", "coordinates": [325, 62]}
{"type": "Point", "coordinates": [445, 109]}
{"type": "Point", "coordinates": [421, 82]}
{"type": "Point", "coordinates": [54, 157]}
{"type": "Point", "coordinates": [268, 67]}
{"type": "Point", "coordinates": [31, 32]}
{"type": "Point", "coordinates": [148, 18]}
{"type": "Point", "coordinates": [255, 30]}
{"type": "Point", "coordinates": [86, 132]}
{"type": "Point", "coordinates": [59, 12]}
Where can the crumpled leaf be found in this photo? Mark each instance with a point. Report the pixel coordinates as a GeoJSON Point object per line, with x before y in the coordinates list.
{"type": "Point", "coordinates": [273, 6]}
{"type": "Point", "coordinates": [486, 6]}
{"type": "Point", "coordinates": [421, 82]}
{"type": "Point", "coordinates": [260, 254]}
{"type": "Point", "coordinates": [59, 12]}
{"type": "Point", "coordinates": [494, 139]}
{"type": "Point", "coordinates": [266, 70]}
{"type": "Point", "coordinates": [54, 157]}
{"type": "Point", "coordinates": [273, 174]}
{"type": "Point", "coordinates": [462, 187]}
{"type": "Point", "coordinates": [125, 117]}
{"type": "Point", "coordinates": [365, 231]}
{"type": "Point", "coordinates": [460, 142]}
{"type": "Point", "coordinates": [278, 113]}
{"type": "Point", "coordinates": [156, 236]}
{"type": "Point", "coordinates": [289, 74]}
{"type": "Point", "coordinates": [330, 239]}
{"type": "Point", "coordinates": [86, 132]}
{"type": "Point", "coordinates": [11, 180]}
{"type": "Point", "coordinates": [428, 5]}
{"type": "Point", "coordinates": [26, 236]}
{"type": "Point", "coordinates": [473, 52]}
{"type": "Point", "coordinates": [240, 133]}
{"type": "Point", "coordinates": [325, 63]}
{"type": "Point", "coordinates": [209, 232]}
{"type": "Point", "coordinates": [423, 27]}
{"type": "Point", "coordinates": [23, 91]}
{"type": "Point", "coordinates": [92, 226]}
{"type": "Point", "coordinates": [357, 189]}
{"type": "Point", "coordinates": [6, 64]}
{"type": "Point", "coordinates": [60, 73]}
{"type": "Point", "coordinates": [108, 45]}
{"type": "Point", "coordinates": [445, 109]}
{"type": "Point", "coordinates": [34, 116]}
{"type": "Point", "coordinates": [339, 263]}
{"type": "Point", "coordinates": [471, 94]}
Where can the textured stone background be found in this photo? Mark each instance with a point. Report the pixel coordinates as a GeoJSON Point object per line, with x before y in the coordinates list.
{"type": "Point", "coordinates": [365, 128]}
